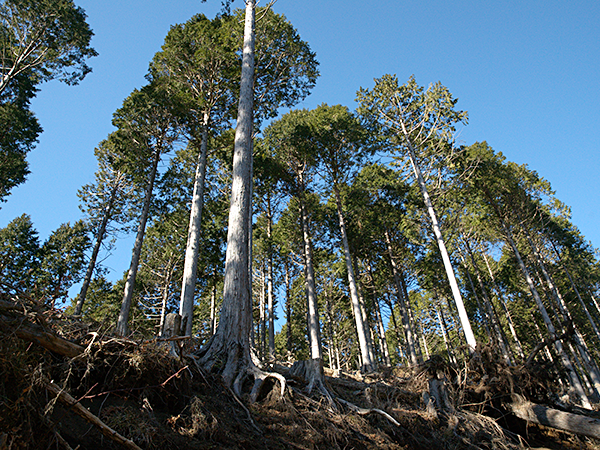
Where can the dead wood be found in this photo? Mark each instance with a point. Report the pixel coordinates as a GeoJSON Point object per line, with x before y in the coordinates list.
{"type": "Point", "coordinates": [91, 418]}
{"type": "Point", "coordinates": [546, 342]}
{"type": "Point", "coordinates": [50, 341]}
{"type": "Point", "coordinates": [365, 411]}
{"type": "Point", "coordinates": [543, 415]}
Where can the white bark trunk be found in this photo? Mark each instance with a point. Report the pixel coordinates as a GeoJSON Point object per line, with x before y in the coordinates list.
{"type": "Point", "coordinates": [574, 379]}
{"type": "Point", "coordinates": [231, 342]}
{"type": "Point", "coordinates": [408, 334]}
{"type": "Point", "coordinates": [190, 266]}
{"type": "Point", "coordinates": [460, 306]}
{"type": "Point", "coordinates": [511, 325]}
{"type": "Point", "coordinates": [314, 334]}
{"type": "Point", "coordinates": [361, 327]}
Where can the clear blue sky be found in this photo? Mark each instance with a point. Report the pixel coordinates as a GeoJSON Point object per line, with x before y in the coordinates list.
{"type": "Point", "coordinates": [527, 72]}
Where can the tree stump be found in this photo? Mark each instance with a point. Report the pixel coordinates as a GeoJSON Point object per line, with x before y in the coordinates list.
{"type": "Point", "coordinates": [172, 329]}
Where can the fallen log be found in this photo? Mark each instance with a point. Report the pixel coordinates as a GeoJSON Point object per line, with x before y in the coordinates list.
{"type": "Point", "coordinates": [47, 340]}
{"type": "Point", "coordinates": [91, 418]}
{"type": "Point", "coordinates": [549, 417]}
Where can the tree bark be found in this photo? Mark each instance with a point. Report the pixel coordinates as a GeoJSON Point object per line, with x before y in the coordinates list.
{"type": "Point", "coordinates": [460, 306]}
{"type": "Point", "coordinates": [122, 327]}
{"type": "Point", "coordinates": [314, 334]}
{"type": "Point", "coordinates": [270, 296]}
{"type": "Point", "coordinates": [573, 423]}
{"type": "Point", "coordinates": [566, 361]}
{"type": "Point", "coordinates": [192, 250]}
{"type": "Point", "coordinates": [361, 326]}
{"type": "Point", "coordinates": [402, 303]}
{"type": "Point", "coordinates": [511, 324]}
{"type": "Point", "coordinates": [231, 342]}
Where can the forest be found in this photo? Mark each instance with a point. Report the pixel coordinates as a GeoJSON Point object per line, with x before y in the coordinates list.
{"type": "Point", "coordinates": [323, 278]}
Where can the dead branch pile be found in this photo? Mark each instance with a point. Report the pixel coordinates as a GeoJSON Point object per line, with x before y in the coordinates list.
{"type": "Point", "coordinates": [65, 384]}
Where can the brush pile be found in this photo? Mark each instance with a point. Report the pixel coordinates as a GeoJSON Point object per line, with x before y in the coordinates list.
{"type": "Point", "coordinates": [65, 384]}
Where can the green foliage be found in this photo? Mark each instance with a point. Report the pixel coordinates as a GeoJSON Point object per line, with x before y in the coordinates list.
{"type": "Point", "coordinates": [44, 39]}
{"type": "Point", "coordinates": [19, 254]}
{"type": "Point", "coordinates": [62, 260]}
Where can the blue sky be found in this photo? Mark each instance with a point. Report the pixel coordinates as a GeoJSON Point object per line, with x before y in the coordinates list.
{"type": "Point", "coordinates": [527, 72]}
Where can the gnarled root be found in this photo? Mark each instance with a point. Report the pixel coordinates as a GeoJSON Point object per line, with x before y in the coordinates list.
{"type": "Point", "coordinates": [238, 366]}
{"type": "Point", "coordinates": [312, 372]}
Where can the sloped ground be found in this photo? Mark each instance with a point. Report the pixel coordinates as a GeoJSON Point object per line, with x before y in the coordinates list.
{"type": "Point", "coordinates": [156, 401]}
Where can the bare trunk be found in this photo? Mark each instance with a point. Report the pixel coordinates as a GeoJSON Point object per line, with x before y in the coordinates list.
{"type": "Point", "coordinates": [394, 323]}
{"type": "Point", "coordinates": [288, 312]}
{"type": "Point", "coordinates": [574, 379]}
{"type": "Point", "coordinates": [213, 323]}
{"type": "Point", "coordinates": [585, 309]}
{"type": "Point", "coordinates": [190, 266]}
{"type": "Point", "coordinates": [314, 333]}
{"type": "Point", "coordinates": [511, 325]}
{"type": "Point", "coordinates": [122, 327]}
{"type": "Point", "coordinates": [491, 312]}
{"type": "Point", "coordinates": [402, 303]}
{"type": "Point", "coordinates": [382, 339]}
{"type": "Point", "coordinates": [231, 342]}
{"type": "Point", "coordinates": [573, 423]}
{"type": "Point", "coordinates": [270, 296]}
{"type": "Point", "coordinates": [445, 336]}
{"type": "Point", "coordinates": [361, 326]}
{"type": "Point", "coordinates": [562, 306]}
{"type": "Point", "coordinates": [460, 306]}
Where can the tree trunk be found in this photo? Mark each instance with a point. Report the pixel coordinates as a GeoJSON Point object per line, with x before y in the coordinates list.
{"type": "Point", "coordinates": [231, 342]}
{"type": "Point", "coordinates": [97, 245]}
{"type": "Point", "coordinates": [190, 266]}
{"type": "Point", "coordinates": [585, 309]}
{"type": "Point", "coordinates": [270, 296]}
{"type": "Point", "coordinates": [491, 312]}
{"type": "Point", "coordinates": [361, 326]}
{"type": "Point", "coordinates": [314, 333]}
{"type": "Point", "coordinates": [382, 339]}
{"type": "Point", "coordinates": [445, 336]}
{"type": "Point", "coordinates": [288, 311]}
{"type": "Point", "coordinates": [562, 306]}
{"type": "Point", "coordinates": [402, 303]}
{"type": "Point", "coordinates": [574, 379]}
{"type": "Point", "coordinates": [511, 325]}
{"type": "Point", "coordinates": [213, 318]}
{"type": "Point", "coordinates": [460, 306]}
{"type": "Point", "coordinates": [122, 327]}
{"type": "Point", "coordinates": [573, 423]}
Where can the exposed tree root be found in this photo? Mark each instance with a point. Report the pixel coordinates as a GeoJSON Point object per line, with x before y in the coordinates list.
{"type": "Point", "coordinates": [365, 411]}
{"type": "Point", "coordinates": [238, 367]}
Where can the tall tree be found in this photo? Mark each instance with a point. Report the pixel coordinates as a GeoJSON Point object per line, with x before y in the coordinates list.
{"type": "Point", "coordinates": [19, 255]}
{"type": "Point", "coordinates": [287, 139]}
{"type": "Point", "coordinates": [339, 141]}
{"type": "Point", "coordinates": [199, 58]}
{"type": "Point", "coordinates": [231, 341]}
{"type": "Point", "coordinates": [147, 128]}
{"type": "Point", "coordinates": [419, 121]}
{"type": "Point", "coordinates": [104, 202]}
{"type": "Point", "coordinates": [39, 40]}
